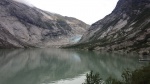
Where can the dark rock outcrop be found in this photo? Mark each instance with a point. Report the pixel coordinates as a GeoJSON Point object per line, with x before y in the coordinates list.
{"type": "Point", "coordinates": [126, 29]}
{"type": "Point", "coordinates": [25, 26]}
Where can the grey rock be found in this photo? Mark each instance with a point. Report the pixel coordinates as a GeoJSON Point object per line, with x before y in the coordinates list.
{"type": "Point", "coordinates": [126, 28]}
{"type": "Point", "coordinates": [23, 26]}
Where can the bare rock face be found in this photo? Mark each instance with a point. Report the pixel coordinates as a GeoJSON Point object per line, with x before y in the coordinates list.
{"type": "Point", "coordinates": [126, 29]}
{"type": "Point", "coordinates": [24, 26]}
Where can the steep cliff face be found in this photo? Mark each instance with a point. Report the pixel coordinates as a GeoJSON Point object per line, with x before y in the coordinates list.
{"type": "Point", "coordinates": [127, 29]}
{"type": "Point", "coordinates": [25, 26]}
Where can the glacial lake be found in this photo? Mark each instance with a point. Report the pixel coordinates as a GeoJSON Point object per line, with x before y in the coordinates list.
{"type": "Point", "coordinates": [61, 66]}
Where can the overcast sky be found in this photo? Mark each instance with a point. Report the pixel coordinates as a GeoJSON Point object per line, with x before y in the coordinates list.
{"type": "Point", "coordinates": [88, 11]}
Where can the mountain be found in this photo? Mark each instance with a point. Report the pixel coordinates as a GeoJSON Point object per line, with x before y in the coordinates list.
{"type": "Point", "coordinates": [23, 26]}
{"type": "Point", "coordinates": [126, 29]}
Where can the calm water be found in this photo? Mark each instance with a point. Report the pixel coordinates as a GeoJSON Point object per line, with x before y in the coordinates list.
{"type": "Point", "coordinates": [57, 66]}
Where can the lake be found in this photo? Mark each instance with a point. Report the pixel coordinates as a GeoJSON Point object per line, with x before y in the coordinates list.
{"type": "Point", "coordinates": [61, 66]}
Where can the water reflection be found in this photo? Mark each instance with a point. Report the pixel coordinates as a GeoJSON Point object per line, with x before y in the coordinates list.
{"type": "Point", "coordinates": [54, 66]}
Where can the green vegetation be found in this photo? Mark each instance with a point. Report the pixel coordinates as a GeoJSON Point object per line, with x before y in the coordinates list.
{"type": "Point", "coordinates": [139, 76]}
{"type": "Point", "coordinates": [93, 78]}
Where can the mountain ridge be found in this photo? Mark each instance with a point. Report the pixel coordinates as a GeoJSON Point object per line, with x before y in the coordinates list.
{"type": "Point", "coordinates": [23, 26]}
{"type": "Point", "coordinates": [126, 29]}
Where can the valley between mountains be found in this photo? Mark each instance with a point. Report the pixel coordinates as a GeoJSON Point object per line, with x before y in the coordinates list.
{"type": "Point", "coordinates": [126, 29]}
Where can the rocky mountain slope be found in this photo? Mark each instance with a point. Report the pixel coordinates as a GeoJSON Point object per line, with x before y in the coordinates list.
{"type": "Point", "coordinates": [126, 29]}
{"type": "Point", "coordinates": [25, 26]}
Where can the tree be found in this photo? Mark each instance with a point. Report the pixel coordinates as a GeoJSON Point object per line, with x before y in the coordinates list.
{"type": "Point", "coordinates": [92, 78]}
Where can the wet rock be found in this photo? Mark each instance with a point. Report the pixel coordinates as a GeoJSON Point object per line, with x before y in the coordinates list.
{"type": "Point", "coordinates": [144, 52]}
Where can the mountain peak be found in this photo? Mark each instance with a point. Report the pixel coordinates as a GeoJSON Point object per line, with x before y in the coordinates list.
{"type": "Point", "coordinates": [25, 26]}
{"type": "Point", "coordinates": [130, 6]}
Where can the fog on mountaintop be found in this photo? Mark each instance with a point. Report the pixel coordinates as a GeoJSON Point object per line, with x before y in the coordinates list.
{"type": "Point", "coordinates": [25, 2]}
